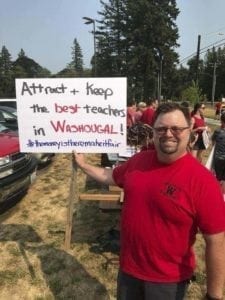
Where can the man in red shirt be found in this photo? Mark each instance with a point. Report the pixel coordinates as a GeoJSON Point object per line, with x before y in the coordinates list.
{"type": "Point", "coordinates": [148, 114]}
{"type": "Point", "coordinates": [169, 196]}
{"type": "Point", "coordinates": [131, 110]}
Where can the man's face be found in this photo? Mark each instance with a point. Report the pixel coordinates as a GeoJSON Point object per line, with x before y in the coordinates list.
{"type": "Point", "coordinates": [171, 134]}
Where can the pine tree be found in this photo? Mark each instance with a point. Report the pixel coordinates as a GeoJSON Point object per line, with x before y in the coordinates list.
{"type": "Point", "coordinates": [137, 36]}
{"type": "Point", "coordinates": [77, 58]}
{"type": "Point", "coordinates": [111, 52]}
{"type": "Point", "coordinates": [21, 53]}
{"type": "Point", "coordinates": [6, 74]}
{"type": "Point", "coordinates": [5, 61]}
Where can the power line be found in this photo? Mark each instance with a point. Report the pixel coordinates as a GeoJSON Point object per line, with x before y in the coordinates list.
{"type": "Point", "coordinates": [187, 57]}
{"type": "Point", "coordinates": [211, 45]}
{"type": "Point", "coordinates": [202, 50]}
{"type": "Point", "coordinates": [222, 44]}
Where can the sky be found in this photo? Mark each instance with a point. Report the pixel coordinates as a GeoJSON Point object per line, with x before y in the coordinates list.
{"type": "Point", "coordinates": [200, 17]}
{"type": "Point", "coordinates": [45, 29]}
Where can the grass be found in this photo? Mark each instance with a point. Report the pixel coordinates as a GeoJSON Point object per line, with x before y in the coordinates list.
{"type": "Point", "coordinates": [209, 112]}
{"type": "Point", "coordinates": [34, 263]}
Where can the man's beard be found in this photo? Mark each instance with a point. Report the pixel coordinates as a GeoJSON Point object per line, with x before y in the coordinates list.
{"type": "Point", "coordinates": [168, 145]}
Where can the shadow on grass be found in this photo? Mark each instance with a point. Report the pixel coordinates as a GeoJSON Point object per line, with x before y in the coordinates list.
{"type": "Point", "coordinates": [95, 226]}
{"type": "Point", "coordinates": [99, 230]}
{"type": "Point", "coordinates": [64, 275]}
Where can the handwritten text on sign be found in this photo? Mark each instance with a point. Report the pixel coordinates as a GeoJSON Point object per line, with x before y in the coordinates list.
{"type": "Point", "coordinates": [82, 114]}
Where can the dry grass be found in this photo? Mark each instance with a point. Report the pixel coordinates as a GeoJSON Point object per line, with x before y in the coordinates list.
{"type": "Point", "coordinates": [209, 112]}
{"type": "Point", "coordinates": [34, 264]}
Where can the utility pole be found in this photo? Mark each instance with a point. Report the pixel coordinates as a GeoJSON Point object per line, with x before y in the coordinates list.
{"type": "Point", "coordinates": [197, 59]}
{"type": "Point", "coordinates": [160, 78]}
{"type": "Point", "coordinates": [214, 83]}
{"type": "Point", "coordinates": [159, 86]}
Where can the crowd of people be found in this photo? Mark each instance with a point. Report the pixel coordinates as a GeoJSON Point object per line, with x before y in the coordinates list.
{"type": "Point", "coordinates": [141, 115]}
{"type": "Point", "coordinates": [169, 196]}
{"type": "Point", "coordinates": [141, 112]}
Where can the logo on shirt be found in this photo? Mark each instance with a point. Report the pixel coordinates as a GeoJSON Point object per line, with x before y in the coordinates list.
{"type": "Point", "coordinates": [171, 191]}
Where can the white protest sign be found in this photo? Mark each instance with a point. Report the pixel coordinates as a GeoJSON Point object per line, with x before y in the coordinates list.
{"type": "Point", "coordinates": [64, 114]}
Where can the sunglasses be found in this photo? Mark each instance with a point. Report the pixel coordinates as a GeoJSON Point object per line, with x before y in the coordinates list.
{"type": "Point", "coordinates": [203, 107]}
{"type": "Point", "coordinates": [174, 129]}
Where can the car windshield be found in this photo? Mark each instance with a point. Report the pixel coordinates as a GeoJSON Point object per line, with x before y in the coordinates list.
{"type": "Point", "coordinates": [9, 109]}
{"type": "Point", "coordinates": [7, 115]}
{"type": "Point", "coordinates": [3, 128]}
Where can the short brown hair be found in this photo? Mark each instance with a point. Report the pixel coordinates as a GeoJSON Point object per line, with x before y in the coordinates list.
{"type": "Point", "coordinates": [170, 107]}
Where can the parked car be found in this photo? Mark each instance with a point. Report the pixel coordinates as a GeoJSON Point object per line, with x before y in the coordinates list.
{"type": "Point", "coordinates": [17, 170]}
{"type": "Point", "coordinates": [8, 118]}
{"type": "Point", "coordinates": [9, 109]}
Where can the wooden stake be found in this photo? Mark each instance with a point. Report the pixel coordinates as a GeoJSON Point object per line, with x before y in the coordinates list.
{"type": "Point", "coordinates": [73, 198]}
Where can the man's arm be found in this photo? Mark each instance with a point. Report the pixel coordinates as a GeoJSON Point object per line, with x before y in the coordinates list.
{"type": "Point", "coordinates": [102, 175]}
{"type": "Point", "coordinates": [215, 264]}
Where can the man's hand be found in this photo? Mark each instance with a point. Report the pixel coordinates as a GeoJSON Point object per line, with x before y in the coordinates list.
{"type": "Point", "coordinates": [79, 159]}
{"type": "Point", "coordinates": [102, 175]}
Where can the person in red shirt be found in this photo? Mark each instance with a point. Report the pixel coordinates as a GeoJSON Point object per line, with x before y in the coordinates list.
{"type": "Point", "coordinates": [141, 107]}
{"type": "Point", "coordinates": [222, 106]}
{"type": "Point", "coordinates": [148, 114]}
{"type": "Point", "coordinates": [131, 110]}
{"type": "Point", "coordinates": [198, 126]}
{"type": "Point", "coordinates": [217, 109]}
{"type": "Point", "coordinates": [169, 198]}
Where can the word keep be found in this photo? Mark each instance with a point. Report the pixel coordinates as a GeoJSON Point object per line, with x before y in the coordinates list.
{"type": "Point", "coordinates": [91, 90]}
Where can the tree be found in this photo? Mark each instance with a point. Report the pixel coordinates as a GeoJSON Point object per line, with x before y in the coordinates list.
{"type": "Point", "coordinates": [192, 94]}
{"type": "Point", "coordinates": [184, 77]}
{"type": "Point", "coordinates": [77, 58]}
{"type": "Point", "coordinates": [192, 65]}
{"type": "Point", "coordinates": [67, 73]}
{"type": "Point", "coordinates": [5, 61]}
{"type": "Point", "coordinates": [22, 67]}
{"type": "Point", "coordinates": [133, 38]}
{"type": "Point", "coordinates": [220, 73]}
{"type": "Point", "coordinates": [179, 82]}
{"type": "Point", "coordinates": [30, 67]}
{"type": "Point", "coordinates": [212, 73]}
{"type": "Point", "coordinates": [21, 53]}
{"type": "Point", "coordinates": [6, 74]}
